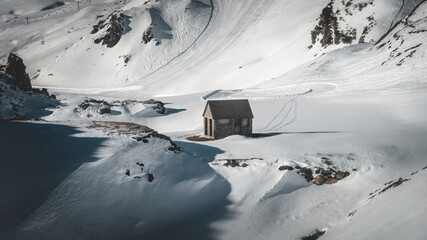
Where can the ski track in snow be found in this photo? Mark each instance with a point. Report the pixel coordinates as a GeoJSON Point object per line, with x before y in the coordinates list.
{"type": "Point", "coordinates": [188, 48]}
{"type": "Point", "coordinates": [284, 121]}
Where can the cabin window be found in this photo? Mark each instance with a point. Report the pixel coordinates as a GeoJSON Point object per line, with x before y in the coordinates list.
{"type": "Point", "coordinates": [224, 121]}
{"type": "Point", "coordinates": [245, 122]}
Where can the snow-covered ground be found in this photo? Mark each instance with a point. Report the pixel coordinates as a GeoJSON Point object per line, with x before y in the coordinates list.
{"type": "Point", "coordinates": [79, 174]}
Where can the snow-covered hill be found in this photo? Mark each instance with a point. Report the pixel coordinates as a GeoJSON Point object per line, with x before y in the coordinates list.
{"type": "Point", "coordinates": [337, 88]}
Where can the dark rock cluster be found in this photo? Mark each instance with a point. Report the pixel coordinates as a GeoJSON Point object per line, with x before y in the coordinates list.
{"type": "Point", "coordinates": [327, 27]}
{"type": "Point", "coordinates": [234, 163]}
{"type": "Point", "coordinates": [173, 148]}
{"type": "Point", "coordinates": [320, 175]}
{"type": "Point", "coordinates": [157, 105]}
{"type": "Point", "coordinates": [327, 31]}
{"type": "Point", "coordinates": [16, 69]}
{"type": "Point", "coordinates": [105, 108]}
{"type": "Point", "coordinates": [16, 90]}
{"type": "Point", "coordinates": [115, 29]}
{"type": "Point", "coordinates": [147, 36]}
{"type": "Point", "coordinates": [88, 102]}
{"type": "Point", "coordinates": [150, 176]}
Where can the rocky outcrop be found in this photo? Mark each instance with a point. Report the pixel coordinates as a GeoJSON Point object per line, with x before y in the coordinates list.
{"type": "Point", "coordinates": [173, 148]}
{"type": "Point", "coordinates": [115, 24]}
{"type": "Point", "coordinates": [147, 36]}
{"type": "Point", "coordinates": [285, 167]}
{"type": "Point", "coordinates": [18, 100]}
{"type": "Point", "coordinates": [332, 27]}
{"type": "Point", "coordinates": [16, 69]}
{"type": "Point", "coordinates": [327, 28]}
{"type": "Point", "coordinates": [326, 172]}
{"type": "Point", "coordinates": [157, 105]}
{"type": "Point", "coordinates": [316, 235]}
{"type": "Point", "coordinates": [405, 39]}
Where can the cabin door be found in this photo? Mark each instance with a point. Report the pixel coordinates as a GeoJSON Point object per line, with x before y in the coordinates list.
{"type": "Point", "coordinates": [238, 126]}
{"type": "Point", "coordinates": [206, 126]}
{"type": "Point", "coordinates": [210, 127]}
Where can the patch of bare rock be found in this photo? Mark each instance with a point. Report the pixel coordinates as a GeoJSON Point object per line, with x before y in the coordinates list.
{"type": "Point", "coordinates": [139, 172]}
{"type": "Point", "coordinates": [115, 25]}
{"type": "Point", "coordinates": [321, 175]}
{"type": "Point", "coordinates": [235, 162]}
{"type": "Point", "coordinates": [316, 235]}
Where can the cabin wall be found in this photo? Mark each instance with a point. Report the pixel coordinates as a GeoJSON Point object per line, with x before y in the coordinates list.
{"type": "Point", "coordinates": [247, 130]}
{"type": "Point", "coordinates": [222, 130]}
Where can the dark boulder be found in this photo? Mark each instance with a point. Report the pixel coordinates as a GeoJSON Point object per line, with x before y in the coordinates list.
{"type": "Point", "coordinates": [319, 180]}
{"type": "Point", "coordinates": [340, 175]}
{"type": "Point", "coordinates": [283, 168]}
{"type": "Point", "coordinates": [331, 180]}
{"type": "Point", "coordinates": [105, 109]}
{"type": "Point", "coordinates": [150, 177]}
{"type": "Point", "coordinates": [307, 173]}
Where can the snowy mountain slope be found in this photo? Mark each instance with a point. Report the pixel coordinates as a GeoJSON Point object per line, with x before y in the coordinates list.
{"type": "Point", "coordinates": [341, 109]}
{"type": "Point", "coordinates": [259, 36]}
{"type": "Point", "coordinates": [13, 9]}
{"type": "Point", "coordinates": [396, 62]}
{"type": "Point", "coordinates": [385, 141]}
{"type": "Point", "coordinates": [407, 194]}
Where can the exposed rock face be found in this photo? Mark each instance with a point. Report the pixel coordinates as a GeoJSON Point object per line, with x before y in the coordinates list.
{"type": "Point", "coordinates": [173, 148]}
{"type": "Point", "coordinates": [401, 41]}
{"type": "Point", "coordinates": [17, 99]}
{"type": "Point", "coordinates": [327, 26]}
{"type": "Point", "coordinates": [319, 175]}
{"type": "Point", "coordinates": [147, 36]}
{"type": "Point", "coordinates": [16, 69]}
{"type": "Point", "coordinates": [333, 28]}
{"type": "Point", "coordinates": [158, 106]}
{"type": "Point", "coordinates": [115, 30]}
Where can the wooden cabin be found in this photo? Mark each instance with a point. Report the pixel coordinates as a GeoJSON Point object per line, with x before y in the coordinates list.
{"type": "Point", "coordinates": [222, 118]}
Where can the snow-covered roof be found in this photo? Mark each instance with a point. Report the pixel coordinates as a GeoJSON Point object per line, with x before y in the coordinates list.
{"type": "Point", "coordinates": [229, 109]}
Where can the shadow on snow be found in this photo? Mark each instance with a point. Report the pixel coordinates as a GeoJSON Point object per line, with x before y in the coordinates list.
{"type": "Point", "coordinates": [35, 158]}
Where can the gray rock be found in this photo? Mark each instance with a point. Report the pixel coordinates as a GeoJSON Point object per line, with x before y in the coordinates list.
{"type": "Point", "coordinates": [319, 180]}
{"type": "Point", "coordinates": [331, 180]}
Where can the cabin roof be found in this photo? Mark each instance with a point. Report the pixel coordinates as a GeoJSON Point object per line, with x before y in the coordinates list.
{"type": "Point", "coordinates": [229, 109]}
